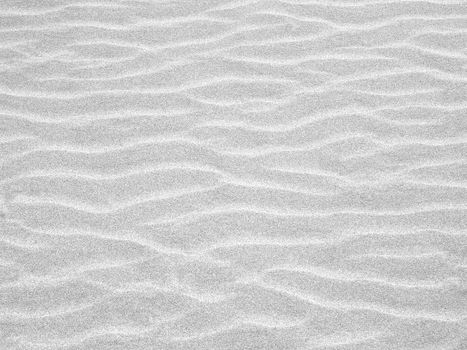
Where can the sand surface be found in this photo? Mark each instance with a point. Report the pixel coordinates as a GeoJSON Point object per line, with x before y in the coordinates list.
{"type": "Point", "coordinates": [233, 174]}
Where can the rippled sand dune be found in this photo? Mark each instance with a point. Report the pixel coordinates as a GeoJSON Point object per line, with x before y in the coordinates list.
{"type": "Point", "coordinates": [233, 175]}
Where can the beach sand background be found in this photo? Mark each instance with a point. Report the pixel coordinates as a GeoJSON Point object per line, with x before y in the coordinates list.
{"type": "Point", "coordinates": [233, 175]}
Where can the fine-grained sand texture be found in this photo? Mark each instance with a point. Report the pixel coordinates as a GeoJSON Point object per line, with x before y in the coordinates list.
{"type": "Point", "coordinates": [233, 174]}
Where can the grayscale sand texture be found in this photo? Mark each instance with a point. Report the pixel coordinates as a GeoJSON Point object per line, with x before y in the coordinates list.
{"type": "Point", "coordinates": [233, 174]}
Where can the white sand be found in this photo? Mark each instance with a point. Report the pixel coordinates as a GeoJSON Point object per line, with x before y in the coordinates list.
{"type": "Point", "coordinates": [233, 175]}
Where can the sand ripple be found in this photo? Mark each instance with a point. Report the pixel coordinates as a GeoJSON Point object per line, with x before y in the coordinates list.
{"type": "Point", "coordinates": [241, 174]}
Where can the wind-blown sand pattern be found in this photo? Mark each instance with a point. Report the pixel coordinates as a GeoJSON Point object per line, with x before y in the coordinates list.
{"type": "Point", "coordinates": [233, 175]}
